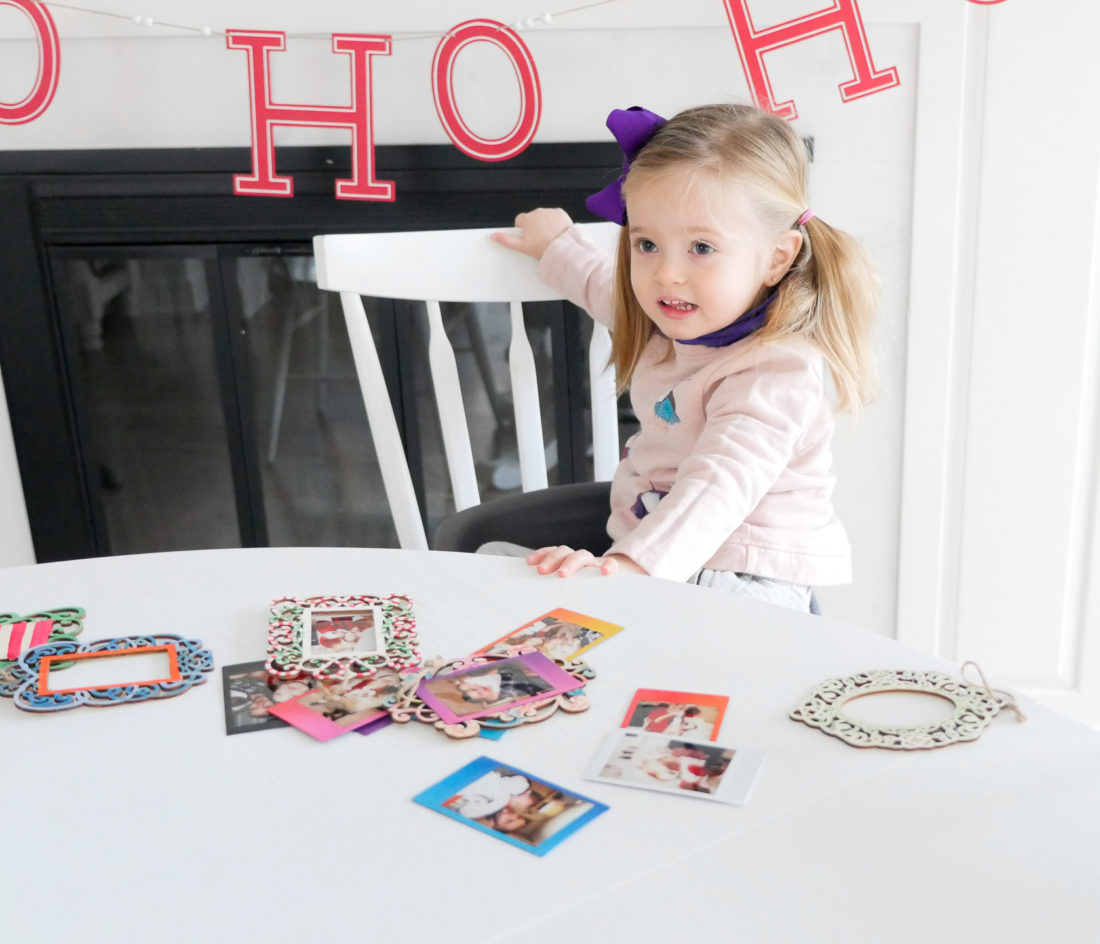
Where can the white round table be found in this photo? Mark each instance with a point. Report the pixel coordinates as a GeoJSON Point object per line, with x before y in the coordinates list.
{"type": "Point", "coordinates": [146, 822]}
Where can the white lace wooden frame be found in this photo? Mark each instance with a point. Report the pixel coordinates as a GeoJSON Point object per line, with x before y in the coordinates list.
{"type": "Point", "coordinates": [289, 655]}
{"type": "Point", "coordinates": [975, 707]}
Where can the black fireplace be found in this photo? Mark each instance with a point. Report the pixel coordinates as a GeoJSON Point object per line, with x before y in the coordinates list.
{"type": "Point", "coordinates": [176, 380]}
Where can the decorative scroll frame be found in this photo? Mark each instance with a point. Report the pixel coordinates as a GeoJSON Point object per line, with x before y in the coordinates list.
{"type": "Point", "coordinates": [67, 622]}
{"type": "Point", "coordinates": [188, 664]}
{"type": "Point", "coordinates": [408, 706]}
{"type": "Point", "coordinates": [975, 707]}
{"type": "Point", "coordinates": [287, 656]}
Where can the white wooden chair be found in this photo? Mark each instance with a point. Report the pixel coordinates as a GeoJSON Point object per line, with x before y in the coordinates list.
{"type": "Point", "coordinates": [458, 266]}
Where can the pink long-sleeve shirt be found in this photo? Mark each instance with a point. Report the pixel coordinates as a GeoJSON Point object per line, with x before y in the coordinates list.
{"type": "Point", "coordinates": [730, 469]}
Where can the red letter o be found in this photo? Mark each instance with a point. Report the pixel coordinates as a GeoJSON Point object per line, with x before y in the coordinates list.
{"type": "Point", "coordinates": [446, 53]}
{"type": "Point", "coordinates": [49, 60]}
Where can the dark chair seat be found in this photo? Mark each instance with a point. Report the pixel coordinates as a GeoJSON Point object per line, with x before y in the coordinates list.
{"type": "Point", "coordinates": [562, 514]}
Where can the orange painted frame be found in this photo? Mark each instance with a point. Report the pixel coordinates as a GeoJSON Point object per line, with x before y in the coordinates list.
{"type": "Point", "coordinates": [45, 665]}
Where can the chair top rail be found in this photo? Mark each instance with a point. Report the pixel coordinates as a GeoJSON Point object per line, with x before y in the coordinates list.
{"type": "Point", "coordinates": [462, 265]}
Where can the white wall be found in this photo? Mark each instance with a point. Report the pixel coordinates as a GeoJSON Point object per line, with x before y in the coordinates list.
{"type": "Point", "coordinates": [964, 543]}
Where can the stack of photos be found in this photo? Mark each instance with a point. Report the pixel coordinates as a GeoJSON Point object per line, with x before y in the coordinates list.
{"type": "Point", "coordinates": [495, 687]}
{"type": "Point", "coordinates": [255, 701]}
{"type": "Point", "coordinates": [633, 758]}
{"type": "Point", "coordinates": [688, 715]}
{"type": "Point", "coordinates": [559, 634]}
{"type": "Point", "coordinates": [329, 709]}
{"type": "Point", "coordinates": [510, 804]}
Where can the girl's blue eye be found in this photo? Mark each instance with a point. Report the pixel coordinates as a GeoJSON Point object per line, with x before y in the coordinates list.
{"type": "Point", "coordinates": [702, 249]}
{"type": "Point", "coordinates": [645, 245]}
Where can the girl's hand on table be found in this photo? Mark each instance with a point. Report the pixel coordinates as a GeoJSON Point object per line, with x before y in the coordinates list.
{"type": "Point", "coordinates": [565, 561]}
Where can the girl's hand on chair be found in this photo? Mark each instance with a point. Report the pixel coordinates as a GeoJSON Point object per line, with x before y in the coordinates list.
{"type": "Point", "coordinates": [565, 561]}
{"type": "Point", "coordinates": [537, 230]}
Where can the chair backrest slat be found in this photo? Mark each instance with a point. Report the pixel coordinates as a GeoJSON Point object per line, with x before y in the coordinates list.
{"type": "Point", "coordinates": [383, 426]}
{"type": "Point", "coordinates": [463, 266]}
{"type": "Point", "coordinates": [525, 402]}
{"type": "Point", "coordinates": [452, 411]}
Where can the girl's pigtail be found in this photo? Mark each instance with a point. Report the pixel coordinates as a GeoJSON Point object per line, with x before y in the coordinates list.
{"type": "Point", "coordinates": [833, 288]}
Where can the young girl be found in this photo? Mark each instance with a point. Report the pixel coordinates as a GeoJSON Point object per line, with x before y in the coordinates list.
{"type": "Point", "coordinates": [726, 302]}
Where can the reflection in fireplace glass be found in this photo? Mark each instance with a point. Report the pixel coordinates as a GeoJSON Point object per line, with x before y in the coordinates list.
{"type": "Point", "coordinates": [156, 438]}
{"type": "Point", "coordinates": [157, 434]}
{"type": "Point", "coordinates": [322, 485]}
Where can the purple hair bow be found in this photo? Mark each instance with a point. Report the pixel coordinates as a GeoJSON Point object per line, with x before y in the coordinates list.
{"type": "Point", "coordinates": [632, 127]}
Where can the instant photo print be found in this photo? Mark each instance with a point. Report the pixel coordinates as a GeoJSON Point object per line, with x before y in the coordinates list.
{"type": "Point", "coordinates": [332, 631]}
{"type": "Point", "coordinates": [495, 687]}
{"type": "Point", "coordinates": [511, 805]}
{"type": "Point", "coordinates": [249, 694]}
{"type": "Point", "coordinates": [330, 709]}
{"type": "Point", "coordinates": [688, 715]}
{"type": "Point", "coordinates": [559, 634]}
{"type": "Point", "coordinates": [708, 771]}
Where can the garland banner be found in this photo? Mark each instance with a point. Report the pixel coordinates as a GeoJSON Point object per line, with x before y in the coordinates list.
{"type": "Point", "coordinates": [530, 110]}
{"type": "Point", "coordinates": [842, 15]}
{"type": "Point", "coordinates": [49, 65]}
{"type": "Point", "coordinates": [266, 115]}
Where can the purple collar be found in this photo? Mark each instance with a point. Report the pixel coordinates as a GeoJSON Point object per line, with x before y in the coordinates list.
{"type": "Point", "coordinates": [749, 322]}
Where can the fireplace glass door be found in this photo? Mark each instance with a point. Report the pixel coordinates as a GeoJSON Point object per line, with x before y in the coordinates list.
{"type": "Point", "coordinates": [217, 404]}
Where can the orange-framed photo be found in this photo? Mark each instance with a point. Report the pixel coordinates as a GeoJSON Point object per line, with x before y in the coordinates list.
{"type": "Point", "coordinates": [677, 714]}
{"type": "Point", "coordinates": [560, 634]}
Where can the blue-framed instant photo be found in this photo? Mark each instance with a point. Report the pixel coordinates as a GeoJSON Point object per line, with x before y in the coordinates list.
{"type": "Point", "coordinates": [511, 804]}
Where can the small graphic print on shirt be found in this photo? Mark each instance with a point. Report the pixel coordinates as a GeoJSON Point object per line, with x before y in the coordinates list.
{"type": "Point", "coordinates": [665, 409]}
{"type": "Point", "coordinates": [646, 502]}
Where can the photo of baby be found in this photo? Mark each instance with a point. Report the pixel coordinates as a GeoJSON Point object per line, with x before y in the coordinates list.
{"type": "Point", "coordinates": [511, 805]}
{"type": "Point", "coordinates": [486, 688]}
{"type": "Point", "coordinates": [655, 762]}
{"type": "Point", "coordinates": [342, 632]}
{"type": "Point", "coordinates": [559, 634]}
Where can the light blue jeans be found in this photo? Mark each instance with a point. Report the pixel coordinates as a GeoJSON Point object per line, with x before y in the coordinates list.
{"type": "Point", "coordinates": [792, 595]}
{"type": "Point", "coordinates": [795, 596]}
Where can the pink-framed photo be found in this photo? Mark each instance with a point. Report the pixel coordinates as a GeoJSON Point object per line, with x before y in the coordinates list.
{"type": "Point", "coordinates": [329, 709]}
{"type": "Point", "coordinates": [495, 687]}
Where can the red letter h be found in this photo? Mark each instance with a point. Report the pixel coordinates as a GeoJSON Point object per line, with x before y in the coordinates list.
{"type": "Point", "coordinates": [266, 115]}
{"type": "Point", "coordinates": [842, 15]}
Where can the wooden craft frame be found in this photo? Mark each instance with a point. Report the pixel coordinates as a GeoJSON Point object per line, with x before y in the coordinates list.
{"type": "Point", "coordinates": [288, 656]}
{"type": "Point", "coordinates": [46, 665]}
{"type": "Point", "coordinates": [66, 623]}
{"type": "Point", "coordinates": [975, 707]}
{"type": "Point", "coordinates": [188, 661]}
{"type": "Point", "coordinates": [408, 706]}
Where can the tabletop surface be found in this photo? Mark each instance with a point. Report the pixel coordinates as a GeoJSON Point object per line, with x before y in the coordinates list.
{"type": "Point", "coordinates": [147, 822]}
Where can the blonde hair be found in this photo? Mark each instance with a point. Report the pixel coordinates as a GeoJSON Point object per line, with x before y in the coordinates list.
{"type": "Point", "coordinates": [828, 295]}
